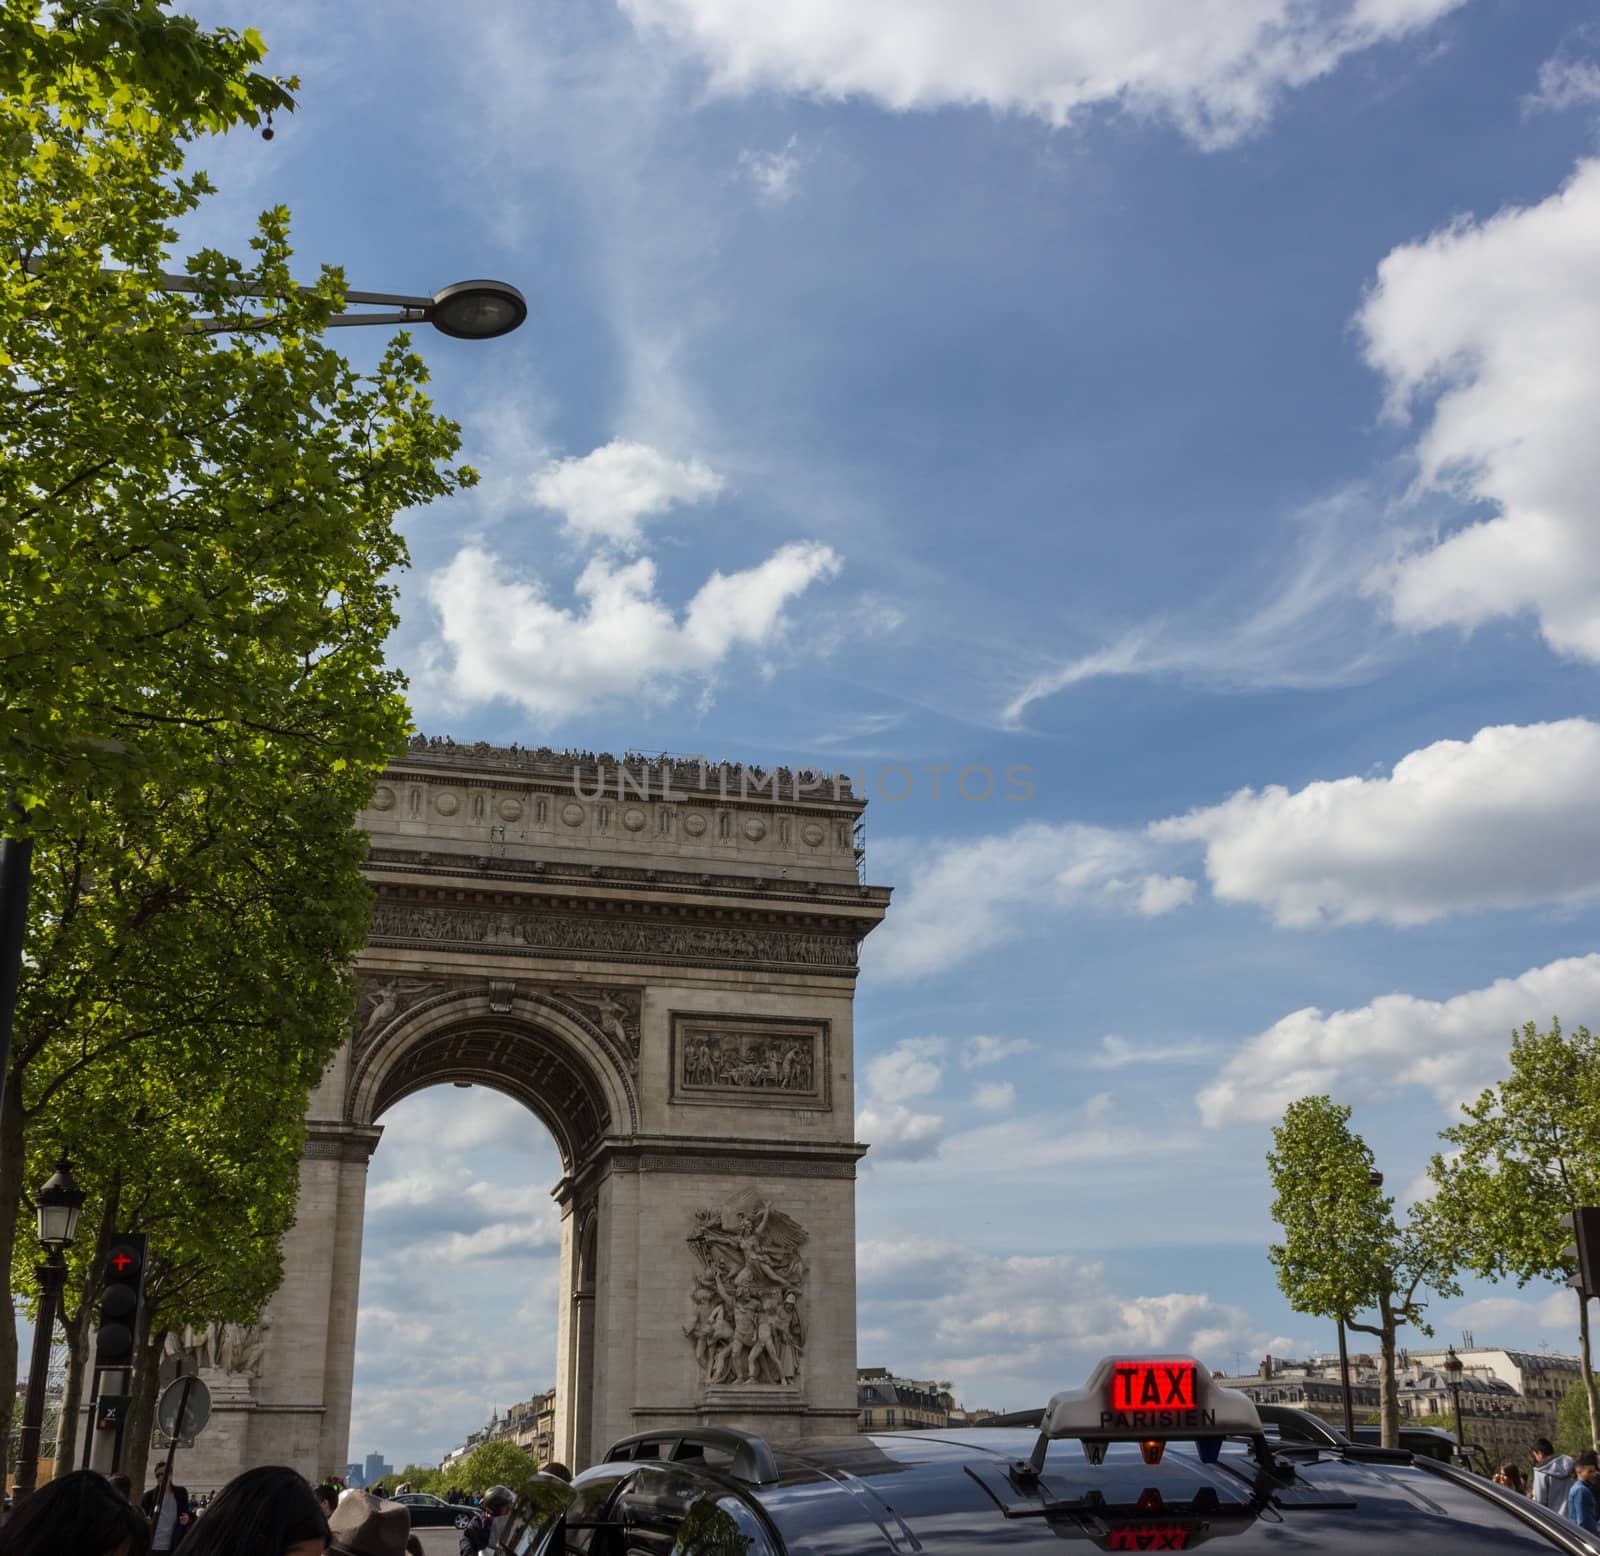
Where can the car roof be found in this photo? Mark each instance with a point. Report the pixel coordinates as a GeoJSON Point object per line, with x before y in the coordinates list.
{"type": "Point", "coordinates": [949, 1493]}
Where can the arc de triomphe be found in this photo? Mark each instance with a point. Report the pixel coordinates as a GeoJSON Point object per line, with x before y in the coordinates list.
{"type": "Point", "coordinates": [658, 959]}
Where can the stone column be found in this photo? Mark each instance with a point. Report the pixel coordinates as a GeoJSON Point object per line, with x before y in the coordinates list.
{"type": "Point", "coordinates": [302, 1409]}
{"type": "Point", "coordinates": [345, 1285]}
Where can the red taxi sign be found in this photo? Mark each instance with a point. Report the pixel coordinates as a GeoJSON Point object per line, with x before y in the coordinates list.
{"type": "Point", "coordinates": [1153, 1537]}
{"type": "Point", "coordinates": [1152, 1385]}
{"type": "Point", "coordinates": [1149, 1400]}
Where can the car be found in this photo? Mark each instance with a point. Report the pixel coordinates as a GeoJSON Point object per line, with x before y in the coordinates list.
{"type": "Point", "coordinates": [431, 1512]}
{"type": "Point", "coordinates": [1435, 1444]}
{"type": "Point", "coordinates": [1150, 1454]}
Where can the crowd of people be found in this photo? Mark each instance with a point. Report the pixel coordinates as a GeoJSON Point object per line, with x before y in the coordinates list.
{"type": "Point", "coordinates": [272, 1511]}
{"type": "Point", "coordinates": [1567, 1486]}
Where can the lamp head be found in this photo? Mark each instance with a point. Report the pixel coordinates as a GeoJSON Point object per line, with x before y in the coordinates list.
{"type": "Point", "coordinates": [59, 1204]}
{"type": "Point", "coordinates": [477, 310]}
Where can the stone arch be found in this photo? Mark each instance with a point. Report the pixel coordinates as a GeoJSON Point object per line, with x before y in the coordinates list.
{"type": "Point", "coordinates": [529, 1045]}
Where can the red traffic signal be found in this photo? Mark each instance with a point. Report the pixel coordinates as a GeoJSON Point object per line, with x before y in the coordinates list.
{"type": "Point", "coordinates": [120, 1300]}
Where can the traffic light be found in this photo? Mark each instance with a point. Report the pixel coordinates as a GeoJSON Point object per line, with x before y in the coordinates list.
{"type": "Point", "coordinates": [120, 1300]}
{"type": "Point", "coordinates": [1584, 1250]}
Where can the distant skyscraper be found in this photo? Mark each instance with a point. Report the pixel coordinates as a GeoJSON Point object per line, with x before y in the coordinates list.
{"type": "Point", "coordinates": [354, 1475]}
{"type": "Point", "coordinates": [375, 1470]}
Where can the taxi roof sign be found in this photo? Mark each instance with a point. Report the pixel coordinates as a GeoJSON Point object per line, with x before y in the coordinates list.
{"type": "Point", "coordinates": [1143, 1399]}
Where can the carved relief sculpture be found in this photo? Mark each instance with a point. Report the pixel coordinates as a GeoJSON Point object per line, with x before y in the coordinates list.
{"type": "Point", "coordinates": [235, 1350]}
{"type": "Point", "coordinates": [382, 1002]}
{"type": "Point", "coordinates": [749, 1059]}
{"type": "Point", "coordinates": [749, 1324]}
{"type": "Point", "coordinates": [559, 933]}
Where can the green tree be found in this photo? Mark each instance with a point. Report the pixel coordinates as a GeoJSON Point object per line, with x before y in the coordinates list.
{"type": "Point", "coordinates": [1573, 1431]}
{"type": "Point", "coordinates": [496, 1463]}
{"type": "Point", "coordinates": [196, 582]}
{"type": "Point", "coordinates": [1343, 1253]}
{"type": "Point", "coordinates": [1524, 1154]}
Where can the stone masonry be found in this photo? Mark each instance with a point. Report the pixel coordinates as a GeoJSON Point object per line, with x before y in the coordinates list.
{"type": "Point", "coordinates": [658, 958]}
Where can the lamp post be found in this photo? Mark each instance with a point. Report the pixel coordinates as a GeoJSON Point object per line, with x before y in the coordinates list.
{"type": "Point", "coordinates": [1453, 1368]}
{"type": "Point", "coordinates": [1374, 1180]}
{"type": "Point", "coordinates": [464, 310]}
{"type": "Point", "coordinates": [59, 1204]}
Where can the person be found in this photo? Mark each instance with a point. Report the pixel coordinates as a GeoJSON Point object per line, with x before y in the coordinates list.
{"type": "Point", "coordinates": [558, 1469]}
{"type": "Point", "coordinates": [270, 1511]}
{"type": "Point", "coordinates": [328, 1498]}
{"type": "Point", "coordinates": [1552, 1476]}
{"type": "Point", "coordinates": [123, 1484]}
{"type": "Point", "coordinates": [365, 1525]}
{"type": "Point", "coordinates": [478, 1534]}
{"type": "Point", "coordinates": [1582, 1507]}
{"type": "Point", "coordinates": [81, 1512]}
{"type": "Point", "coordinates": [414, 1545]}
{"type": "Point", "coordinates": [1511, 1477]}
{"type": "Point", "coordinates": [167, 1508]}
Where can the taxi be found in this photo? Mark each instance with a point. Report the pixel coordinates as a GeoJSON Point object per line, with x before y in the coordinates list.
{"type": "Point", "coordinates": [1151, 1454]}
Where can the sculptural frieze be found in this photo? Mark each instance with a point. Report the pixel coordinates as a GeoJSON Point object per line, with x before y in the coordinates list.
{"type": "Point", "coordinates": [600, 936]}
{"type": "Point", "coordinates": [749, 1059]}
{"type": "Point", "coordinates": [749, 1327]}
{"type": "Point", "coordinates": [235, 1350]}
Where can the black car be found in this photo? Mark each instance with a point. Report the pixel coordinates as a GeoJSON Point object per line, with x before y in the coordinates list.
{"type": "Point", "coordinates": [431, 1512]}
{"type": "Point", "coordinates": [1150, 1456]}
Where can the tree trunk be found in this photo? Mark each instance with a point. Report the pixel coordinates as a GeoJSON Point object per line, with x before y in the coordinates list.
{"type": "Point", "coordinates": [80, 1333]}
{"type": "Point", "coordinates": [13, 1163]}
{"type": "Point", "coordinates": [1388, 1394]}
{"type": "Point", "coordinates": [1588, 1370]}
{"type": "Point", "coordinates": [142, 1406]}
{"type": "Point", "coordinates": [69, 1429]}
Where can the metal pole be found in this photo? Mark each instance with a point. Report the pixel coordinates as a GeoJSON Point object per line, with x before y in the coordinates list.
{"type": "Point", "coordinates": [52, 1276]}
{"type": "Point", "coordinates": [16, 857]}
{"type": "Point", "coordinates": [1344, 1384]}
{"type": "Point", "coordinates": [1461, 1441]}
{"type": "Point", "coordinates": [183, 1411]}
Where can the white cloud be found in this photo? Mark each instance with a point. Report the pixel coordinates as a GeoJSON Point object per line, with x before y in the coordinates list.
{"type": "Point", "coordinates": [1565, 83]}
{"type": "Point", "coordinates": [1506, 819]}
{"type": "Point", "coordinates": [604, 495]}
{"type": "Point", "coordinates": [896, 1133]}
{"type": "Point", "coordinates": [912, 1068]}
{"type": "Point", "coordinates": [1493, 329]}
{"type": "Point", "coordinates": [977, 1052]}
{"type": "Point", "coordinates": [1216, 70]}
{"type": "Point", "coordinates": [1452, 1047]}
{"type": "Point", "coordinates": [957, 897]}
{"type": "Point", "coordinates": [1117, 1053]}
{"type": "Point", "coordinates": [775, 174]}
{"type": "Point", "coordinates": [1009, 1332]}
{"type": "Point", "coordinates": [500, 637]}
{"type": "Point", "coordinates": [1300, 621]}
{"type": "Point", "coordinates": [995, 1096]}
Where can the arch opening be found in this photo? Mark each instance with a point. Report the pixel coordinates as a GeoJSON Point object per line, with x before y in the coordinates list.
{"type": "Point", "coordinates": [520, 1061]}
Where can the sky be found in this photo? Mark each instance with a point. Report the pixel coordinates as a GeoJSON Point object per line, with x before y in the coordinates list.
{"type": "Point", "coordinates": [1180, 411]}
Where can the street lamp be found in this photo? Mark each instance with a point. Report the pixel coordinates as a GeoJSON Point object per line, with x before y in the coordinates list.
{"type": "Point", "coordinates": [1453, 1368]}
{"type": "Point", "coordinates": [1374, 1180]}
{"type": "Point", "coordinates": [59, 1204]}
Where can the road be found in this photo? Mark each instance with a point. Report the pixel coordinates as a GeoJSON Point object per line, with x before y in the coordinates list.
{"type": "Point", "coordinates": [440, 1542]}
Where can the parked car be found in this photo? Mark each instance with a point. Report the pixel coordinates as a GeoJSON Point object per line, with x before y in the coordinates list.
{"type": "Point", "coordinates": [1149, 1455]}
{"type": "Point", "coordinates": [431, 1512]}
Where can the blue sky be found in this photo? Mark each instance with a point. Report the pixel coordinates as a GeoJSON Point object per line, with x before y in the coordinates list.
{"type": "Point", "coordinates": [1191, 404]}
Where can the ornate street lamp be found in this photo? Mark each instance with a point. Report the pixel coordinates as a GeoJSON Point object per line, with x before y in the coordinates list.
{"type": "Point", "coordinates": [59, 1204]}
{"type": "Point", "coordinates": [1453, 1368]}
